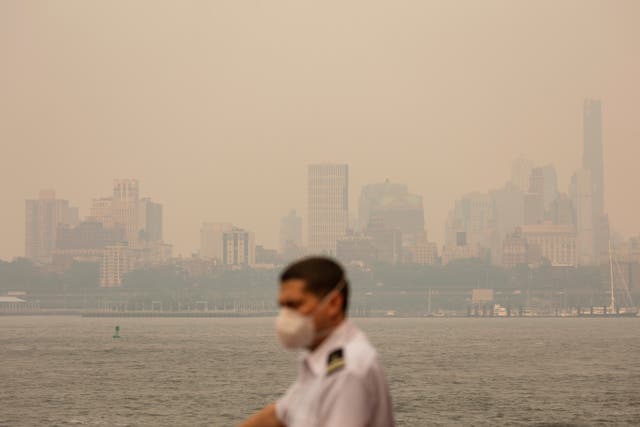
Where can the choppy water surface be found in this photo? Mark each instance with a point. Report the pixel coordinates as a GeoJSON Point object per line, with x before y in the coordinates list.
{"type": "Point", "coordinates": [70, 371]}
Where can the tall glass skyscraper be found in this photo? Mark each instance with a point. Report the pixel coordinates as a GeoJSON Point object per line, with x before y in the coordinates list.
{"type": "Point", "coordinates": [328, 203]}
{"type": "Point", "coordinates": [593, 161]}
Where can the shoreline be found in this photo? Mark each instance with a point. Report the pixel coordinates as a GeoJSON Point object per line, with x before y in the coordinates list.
{"type": "Point", "coordinates": [220, 314]}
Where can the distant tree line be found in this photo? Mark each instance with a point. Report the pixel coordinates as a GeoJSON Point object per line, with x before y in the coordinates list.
{"type": "Point", "coordinates": [21, 274]}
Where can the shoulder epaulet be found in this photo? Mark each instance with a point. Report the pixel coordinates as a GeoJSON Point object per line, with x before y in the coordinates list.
{"type": "Point", "coordinates": [335, 361]}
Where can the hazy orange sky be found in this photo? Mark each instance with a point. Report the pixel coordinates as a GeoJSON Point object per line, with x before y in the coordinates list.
{"type": "Point", "coordinates": [218, 106]}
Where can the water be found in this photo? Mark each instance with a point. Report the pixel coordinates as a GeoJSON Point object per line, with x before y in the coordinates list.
{"type": "Point", "coordinates": [70, 371]}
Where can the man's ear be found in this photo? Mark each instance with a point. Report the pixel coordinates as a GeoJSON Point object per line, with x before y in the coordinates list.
{"type": "Point", "coordinates": [336, 303]}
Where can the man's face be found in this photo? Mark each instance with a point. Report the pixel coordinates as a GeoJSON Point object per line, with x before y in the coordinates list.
{"type": "Point", "coordinates": [294, 295]}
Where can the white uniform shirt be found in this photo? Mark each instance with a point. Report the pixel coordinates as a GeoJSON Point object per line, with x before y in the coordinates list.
{"type": "Point", "coordinates": [340, 384]}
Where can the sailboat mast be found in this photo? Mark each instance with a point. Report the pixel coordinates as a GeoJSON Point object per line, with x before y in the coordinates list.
{"type": "Point", "coordinates": [613, 297]}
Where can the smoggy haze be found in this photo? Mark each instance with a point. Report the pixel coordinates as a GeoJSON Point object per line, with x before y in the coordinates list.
{"type": "Point", "coordinates": [218, 107]}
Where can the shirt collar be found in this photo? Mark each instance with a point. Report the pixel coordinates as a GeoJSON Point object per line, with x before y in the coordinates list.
{"type": "Point", "coordinates": [316, 360]}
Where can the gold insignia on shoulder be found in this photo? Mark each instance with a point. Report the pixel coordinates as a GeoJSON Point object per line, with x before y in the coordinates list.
{"type": "Point", "coordinates": [335, 361]}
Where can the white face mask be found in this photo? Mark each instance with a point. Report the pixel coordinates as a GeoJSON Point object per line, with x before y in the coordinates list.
{"type": "Point", "coordinates": [296, 330]}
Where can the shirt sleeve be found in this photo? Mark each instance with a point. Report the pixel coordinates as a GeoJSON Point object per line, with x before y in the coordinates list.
{"type": "Point", "coordinates": [383, 412]}
{"type": "Point", "coordinates": [350, 404]}
{"type": "Point", "coordinates": [282, 404]}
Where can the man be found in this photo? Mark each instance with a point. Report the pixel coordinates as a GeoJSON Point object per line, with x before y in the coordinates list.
{"type": "Point", "coordinates": [340, 381]}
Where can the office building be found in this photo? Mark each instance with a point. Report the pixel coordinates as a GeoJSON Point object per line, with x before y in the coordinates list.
{"type": "Point", "coordinates": [86, 235]}
{"type": "Point", "coordinates": [556, 243]}
{"type": "Point", "coordinates": [117, 261]}
{"type": "Point", "coordinates": [561, 210]}
{"type": "Point", "coordinates": [290, 232]}
{"type": "Point", "coordinates": [533, 208]}
{"type": "Point", "coordinates": [593, 161]}
{"type": "Point", "coordinates": [424, 252]}
{"type": "Point", "coordinates": [101, 211]}
{"type": "Point", "coordinates": [521, 174]}
{"type": "Point", "coordinates": [238, 247]}
{"type": "Point", "coordinates": [515, 248]}
{"type": "Point", "coordinates": [125, 207]}
{"type": "Point", "coordinates": [473, 215]}
{"type": "Point", "coordinates": [459, 252]}
{"type": "Point", "coordinates": [581, 194]}
{"type": "Point", "coordinates": [386, 240]}
{"type": "Point", "coordinates": [543, 181]}
{"type": "Point", "coordinates": [328, 206]}
{"type": "Point", "coordinates": [508, 215]}
{"type": "Point", "coordinates": [139, 219]}
{"type": "Point", "coordinates": [150, 220]}
{"type": "Point", "coordinates": [43, 216]}
{"type": "Point", "coordinates": [396, 207]}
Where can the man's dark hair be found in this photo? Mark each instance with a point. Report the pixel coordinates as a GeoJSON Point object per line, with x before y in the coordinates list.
{"type": "Point", "coordinates": [321, 275]}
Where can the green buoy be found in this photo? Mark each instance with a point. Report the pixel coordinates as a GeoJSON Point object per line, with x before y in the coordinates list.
{"type": "Point", "coordinates": [117, 334]}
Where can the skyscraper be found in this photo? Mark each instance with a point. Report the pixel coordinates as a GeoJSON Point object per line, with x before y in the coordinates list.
{"type": "Point", "coordinates": [534, 200]}
{"type": "Point", "coordinates": [509, 208]}
{"type": "Point", "coordinates": [139, 219]}
{"type": "Point", "coordinates": [328, 205]}
{"type": "Point", "coordinates": [125, 206]}
{"type": "Point", "coordinates": [290, 231]}
{"type": "Point", "coordinates": [43, 216]}
{"type": "Point", "coordinates": [238, 247]}
{"type": "Point", "coordinates": [474, 215]}
{"type": "Point", "coordinates": [592, 157]}
{"type": "Point", "coordinates": [543, 181]}
{"type": "Point", "coordinates": [101, 211]}
{"type": "Point", "coordinates": [562, 210]}
{"type": "Point", "coordinates": [395, 207]}
{"type": "Point", "coordinates": [117, 261]}
{"type": "Point", "coordinates": [581, 194]}
{"type": "Point", "coordinates": [555, 243]}
{"type": "Point", "coordinates": [537, 181]}
{"type": "Point", "coordinates": [592, 160]}
{"type": "Point", "coordinates": [150, 220]}
{"type": "Point", "coordinates": [533, 208]}
{"type": "Point", "coordinates": [550, 184]}
{"type": "Point", "coordinates": [520, 173]}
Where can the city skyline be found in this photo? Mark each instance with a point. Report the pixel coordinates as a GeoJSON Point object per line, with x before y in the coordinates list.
{"type": "Point", "coordinates": [334, 180]}
{"type": "Point", "coordinates": [269, 240]}
{"type": "Point", "coordinates": [435, 199]}
{"type": "Point", "coordinates": [212, 133]}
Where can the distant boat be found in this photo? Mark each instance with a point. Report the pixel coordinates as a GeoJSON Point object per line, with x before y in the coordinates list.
{"type": "Point", "coordinates": [624, 307]}
{"type": "Point", "coordinates": [500, 311]}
